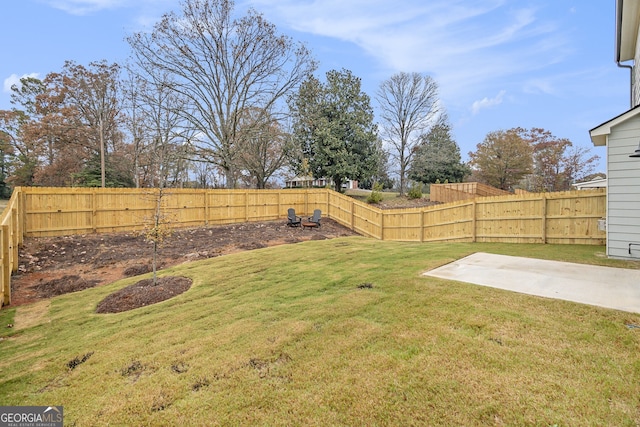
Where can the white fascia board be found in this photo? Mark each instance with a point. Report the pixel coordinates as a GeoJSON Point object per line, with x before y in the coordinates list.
{"type": "Point", "coordinates": [628, 37]}
{"type": "Point", "coordinates": [600, 134]}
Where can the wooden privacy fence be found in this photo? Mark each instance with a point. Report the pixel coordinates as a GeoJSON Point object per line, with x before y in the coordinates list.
{"type": "Point", "coordinates": [560, 218]}
{"type": "Point", "coordinates": [60, 211]}
{"type": "Point", "coordinates": [447, 193]}
{"type": "Point", "coordinates": [11, 236]}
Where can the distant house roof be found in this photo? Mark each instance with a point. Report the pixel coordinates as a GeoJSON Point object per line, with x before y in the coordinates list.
{"type": "Point", "coordinates": [301, 179]}
{"type": "Point", "coordinates": [596, 183]}
{"type": "Point", "coordinates": [600, 133]}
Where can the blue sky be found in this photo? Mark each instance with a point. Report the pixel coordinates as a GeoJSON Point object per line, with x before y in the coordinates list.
{"type": "Point", "coordinates": [498, 63]}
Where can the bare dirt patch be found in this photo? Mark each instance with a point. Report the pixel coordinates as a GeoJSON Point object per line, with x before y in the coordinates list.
{"type": "Point", "coordinates": [403, 202]}
{"type": "Point", "coordinates": [56, 265]}
{"type": "Point", "coordinates": [31, 315]}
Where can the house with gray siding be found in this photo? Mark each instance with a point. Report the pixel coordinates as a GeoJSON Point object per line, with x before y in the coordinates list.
{"type": "Point", "coordinates": [621, 137]}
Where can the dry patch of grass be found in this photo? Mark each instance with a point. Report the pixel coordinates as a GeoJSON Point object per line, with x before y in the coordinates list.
{"type": "Point", "coordinates": [31, 315]}
{"type": "Point", "coordinates": [336, 332]}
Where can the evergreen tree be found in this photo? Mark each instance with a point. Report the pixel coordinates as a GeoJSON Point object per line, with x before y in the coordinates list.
{"type": "Point", "coordinates": [334, 128]}
{"type": "Point", "coordinates": [115, 175]}
{"type": "Point", "coordinates": [438, 157]}
{"type": "Point", "coordinates": [380, 175]}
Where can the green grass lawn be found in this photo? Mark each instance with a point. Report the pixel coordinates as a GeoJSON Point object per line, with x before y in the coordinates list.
{"type": "Point", "coordinates": [334, 332]}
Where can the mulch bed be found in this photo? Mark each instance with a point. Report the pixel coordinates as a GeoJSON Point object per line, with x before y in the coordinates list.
{"type": "Point", "coordinates": [52, 266]}
{"type": "Point", "coordinates": [144, 293]}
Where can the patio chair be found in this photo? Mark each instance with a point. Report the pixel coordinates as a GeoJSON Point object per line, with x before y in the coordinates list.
{"type": "Point", "coordinates": [316, 217]}
{"type": "Point", "coordinates": [292, 219]}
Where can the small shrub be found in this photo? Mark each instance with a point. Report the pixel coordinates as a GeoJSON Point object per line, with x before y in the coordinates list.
{"type": "Point", "coordinates": [415, 191]}
{"type": "Point", "coordinates": [376, 194]}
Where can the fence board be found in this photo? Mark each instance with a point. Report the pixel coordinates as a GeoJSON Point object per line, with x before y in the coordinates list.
{"type": "Point", "coordinates": [451, 222]}
{"type": "Point", "coordinates": [403, 224]}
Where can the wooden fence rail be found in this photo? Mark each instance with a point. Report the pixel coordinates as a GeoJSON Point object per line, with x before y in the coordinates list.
{"type": "Point", "coordinates": [561, 218]}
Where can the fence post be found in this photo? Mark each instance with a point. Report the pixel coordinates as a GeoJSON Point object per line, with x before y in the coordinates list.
{"type": "Point", "coordinates": [206, 207]}
{"type": "Point", "coordinates": [279, 208]}
{"type": "Point", "coordinates": [4, 287]}
{"type": "Point", "coordinates": [93, 210]}
{"type": "Point", "coordinates": [382, 225]}
{"type": "Point", "coordinates": [421, 226]}
{"type": "Point", "coordinates": [14, 240]}
{"type": "Point", "coordinates": [328, 199]}
{"type": "Point", "coordinates": [6, 267]}
{"type": "Point", "coordinates": [352, 216]}
{"type": "Point", "coordinates": [544, 218]}
{"type": "Point", "coordinates": [474, 222]}
{"type": "Point", "coordinates": [23, 215]}
{"type": "Point", "coordinates": [246, 205]}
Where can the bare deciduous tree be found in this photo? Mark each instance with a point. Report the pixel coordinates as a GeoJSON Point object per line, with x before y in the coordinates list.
{"type": "Point", "coordinates": [408, 105]}
{"type": "Point", "coordinates": [263, 146]}
{"type": "Point", "coordinates": [166, 128]}
{"type": "Point", "coordinates": [133, 120]}
{"type": "Point", "coordinates": [157, 227]}
{"type": "Point", "coordinates": [579, 164]}
{"type": "Point", "coordinates": [93, 92]}
{"type": "Point", "coordinates": [160, 134]}
{"type": "Point", "coordinates": [222, 66]}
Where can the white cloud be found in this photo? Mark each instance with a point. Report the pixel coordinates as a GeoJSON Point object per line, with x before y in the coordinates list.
{"type": "Point", "coordinates": [601, 81]}
{"type": "Point", "coordinates": [467, 46]}
{"type": "Point", "coordinates": [14, 79]}
{"type": "Point", "coordinates": [84, 7]}
{"type": "Point", "coordinates": [539, 86]}
{"type": "Point", "coordinates": [487, 102]}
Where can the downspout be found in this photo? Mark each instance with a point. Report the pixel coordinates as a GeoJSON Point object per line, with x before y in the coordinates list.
{"type": "Point", "coordinates": [617, 49]}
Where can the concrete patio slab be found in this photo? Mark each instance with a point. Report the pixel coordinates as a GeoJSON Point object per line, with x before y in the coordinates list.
{"type": "Point", "coordinates": [617, 288]}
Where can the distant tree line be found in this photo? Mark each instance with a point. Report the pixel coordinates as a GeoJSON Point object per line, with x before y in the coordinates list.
{"type": "Point", "coordinates": [209, 100]}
